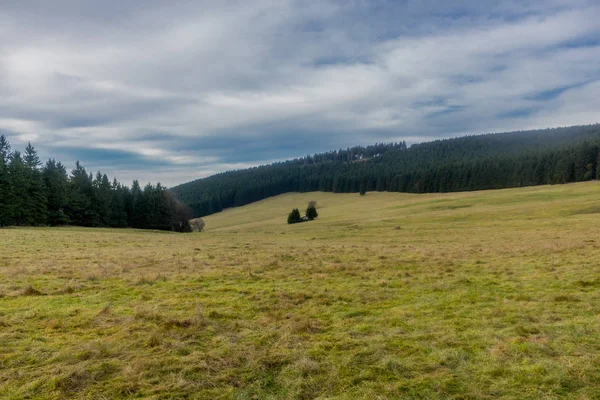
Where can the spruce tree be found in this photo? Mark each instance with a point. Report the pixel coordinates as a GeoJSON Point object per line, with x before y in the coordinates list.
{"type": "Point", "coordinates": [5, 187]}
{"type": "Point", "coordinates": [56, 181]}
{"type": "Point", "coordinates": [164, 209]}
{"type": "Point", "coordinates": [118, 205]}
{"type": "Point", "coordinates": [19, 184]}
{"type": "Point", "coordinates": [294, 217]}
{"type": "Point", "coordinates": [152, 202]}
{"type": "Point", "coordinates": [311, 212]}
{"type": "Point", "coordinates": [138, 206]}
{"type": "Point", "coordinates": [36, 201]}
{"type": "Point", "coordinates": [102, 198]}
{"type": "Point", "coordinates": [80, 196]}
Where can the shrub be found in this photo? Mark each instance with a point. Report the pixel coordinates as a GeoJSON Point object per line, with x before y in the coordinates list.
{"type": "Point", "coordinates": [198, 224]}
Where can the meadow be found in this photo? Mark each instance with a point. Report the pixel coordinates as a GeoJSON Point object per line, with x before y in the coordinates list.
{"type": "Point", "coordinates": [478, 295]}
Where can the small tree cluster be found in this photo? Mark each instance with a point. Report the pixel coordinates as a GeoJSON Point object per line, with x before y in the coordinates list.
{"type": "Point", "coordinates": [311, 213]}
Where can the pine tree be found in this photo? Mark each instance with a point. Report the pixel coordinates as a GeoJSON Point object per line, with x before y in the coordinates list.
{"type": "Point", "coordinates": [36, 201]}
{"type": "Point", "coordinates": [31, 158]}
{"type": "Point", "coordinates": [18, 182]}
{"type": "Point", "coordinates": [118, 205]}
{"type": "Point", "coordinates": [151, 201]}
{"type": "Point", "coordinates": [164, 207]}
{"type": "Point", "coordinates": [294, 217]}
{"type": "Point", "coordinates": [5, 187]}
{"type": "Point", "coordinates": [79, 205]}
{"type": "Point", "coordinates": [56, 181]}
{"type": "Point", "coordinates": [311, 212]}
{"type": "Point", "coordinates": [102, 198]}
{"type": "Point", "coordinates": [138, 206]}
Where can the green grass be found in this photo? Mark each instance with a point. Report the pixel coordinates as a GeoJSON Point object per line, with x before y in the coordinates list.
{"type": "Point", "coordinates": [475, 295]}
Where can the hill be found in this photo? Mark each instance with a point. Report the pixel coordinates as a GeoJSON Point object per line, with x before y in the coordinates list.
{"type": "Point", "coordinates": [469, 163]}
{"type": "Point", "coordinates": [488, 294]}
{"type": "Point", "coordinates": [388, 210]}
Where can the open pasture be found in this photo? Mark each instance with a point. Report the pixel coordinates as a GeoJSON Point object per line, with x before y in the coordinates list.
{"type": "Point", "coordinates": [479, 295]}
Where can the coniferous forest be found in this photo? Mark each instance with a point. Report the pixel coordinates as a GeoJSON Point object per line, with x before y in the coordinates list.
{"type": "Point", "coordinates": [36, 194]}
{"type": "Point", "coordinates": [492, 161]}
{"type": "Point", "coordinates": [32, 194]}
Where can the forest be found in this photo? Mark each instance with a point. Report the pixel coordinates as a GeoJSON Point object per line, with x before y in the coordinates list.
{"type": "Point", "coordinates": [491, 161]}
{"type": "Point", "coordinates": [34, 195]}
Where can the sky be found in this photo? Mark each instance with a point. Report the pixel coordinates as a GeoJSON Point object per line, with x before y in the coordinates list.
{"type": "Point", "coordinates": [172, 91]}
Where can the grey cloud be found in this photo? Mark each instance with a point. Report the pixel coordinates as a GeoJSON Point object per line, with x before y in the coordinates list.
{"type": "Point", "coordinates": [191, 88]}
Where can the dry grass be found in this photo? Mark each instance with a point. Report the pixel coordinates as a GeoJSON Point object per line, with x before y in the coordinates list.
{"type": "Point", "coordinates": [467, 295]}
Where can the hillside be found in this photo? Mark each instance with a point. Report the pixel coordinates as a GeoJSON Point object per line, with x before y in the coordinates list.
{"type": "Point", "coordinates": [489, 294]}
{"type": "Point", "coordinates": [387, 210]}
{"type": "Point", "coordinates": [469, 163]}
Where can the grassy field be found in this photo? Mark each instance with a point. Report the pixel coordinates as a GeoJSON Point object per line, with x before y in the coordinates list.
{"type": "Point", "coordinates": [389, 296]}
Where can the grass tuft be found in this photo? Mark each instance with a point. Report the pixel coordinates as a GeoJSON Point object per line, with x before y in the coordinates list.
{"type": "Point", "coordinates": [31, 291]}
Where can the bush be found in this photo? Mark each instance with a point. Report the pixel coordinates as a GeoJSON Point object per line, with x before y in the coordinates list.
{"type": "Point", "coordinates": [198, 224]}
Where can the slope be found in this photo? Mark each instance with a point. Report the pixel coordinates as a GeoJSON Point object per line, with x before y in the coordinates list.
{"type": "Point", "coordinates": [491, 161]}
{"type": "Point", "coordinates": [383, 209]}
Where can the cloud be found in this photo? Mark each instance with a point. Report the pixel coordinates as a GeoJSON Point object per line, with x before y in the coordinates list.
{"type": "Point", "coordinates": [172, 91]}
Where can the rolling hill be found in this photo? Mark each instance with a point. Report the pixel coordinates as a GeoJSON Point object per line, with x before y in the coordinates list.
{"type": "Point", "coordinates": [492, 161]}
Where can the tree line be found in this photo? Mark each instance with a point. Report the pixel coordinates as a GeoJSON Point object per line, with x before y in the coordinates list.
{"type": "Point", "coordinates": [492, 161]}
{"type": "Point", "coordinates": [34, 195]}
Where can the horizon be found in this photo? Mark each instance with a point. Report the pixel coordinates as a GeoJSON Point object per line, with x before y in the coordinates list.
{"type": "Point", "coordinates": [174, 93]}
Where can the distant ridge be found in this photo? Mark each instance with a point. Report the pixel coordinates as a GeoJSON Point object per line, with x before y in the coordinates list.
{"type": "Point", "coordinates": [490, 161]}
